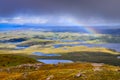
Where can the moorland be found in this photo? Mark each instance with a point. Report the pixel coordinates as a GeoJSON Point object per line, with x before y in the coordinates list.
{"type": "Point", "coordinates": [91, 56]}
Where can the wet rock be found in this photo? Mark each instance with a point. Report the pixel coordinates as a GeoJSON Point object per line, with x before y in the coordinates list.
{"type": "Point", "coordinates": [97, 69]}
{"type": "Point", "coordinates": [50, 77]}
{"type": "Point", "coordinates": [118, 57]}
{"type": "Point", "coordinates": [97, 64]}
{"type": "Point", "coordinates": [78, 75]}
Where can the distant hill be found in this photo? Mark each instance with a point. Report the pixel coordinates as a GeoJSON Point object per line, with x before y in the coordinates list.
{"type": "Point", "coordinates": [102, 30]}
{"type": "Point", "coordinates": [110, 31]}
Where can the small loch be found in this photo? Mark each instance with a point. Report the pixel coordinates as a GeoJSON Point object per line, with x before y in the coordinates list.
{"type": "Point", "coordinates": [51, 61]}
{"type": "Point", "coordinates": [118, 57]}
{"type": "Point", "coordinates": [43, 54]}
{"type": "Point", "coordinates": [21, 47]}
{"type": "Point", "coordinates": [54, 61]}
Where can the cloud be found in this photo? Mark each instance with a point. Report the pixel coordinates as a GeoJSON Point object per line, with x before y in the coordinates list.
{"type": "Point", "coordinates": [106, 10]}
{"type": "Point", "coordinates": [52, 20]}
{"type": "Point", "coordinates": [56, 20]}
{"type": "Point", "coordinates": [24, 20]}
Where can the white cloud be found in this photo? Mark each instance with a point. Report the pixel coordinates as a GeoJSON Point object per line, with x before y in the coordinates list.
{"type": "Point", "coordinates": [24, 20]}
{"type": "Point", "coordinates": [55, 20]}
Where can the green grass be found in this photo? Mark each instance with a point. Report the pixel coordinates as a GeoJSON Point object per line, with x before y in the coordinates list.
{"type": "Point", "coordinates": [7, 60]}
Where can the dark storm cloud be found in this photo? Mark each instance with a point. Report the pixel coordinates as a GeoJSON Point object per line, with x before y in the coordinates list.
{"type": "Point", "coordinates": [105, 9]}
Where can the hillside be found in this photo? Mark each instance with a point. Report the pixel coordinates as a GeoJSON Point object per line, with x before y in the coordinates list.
{"type": "Point", "coordinates": [74, 71]}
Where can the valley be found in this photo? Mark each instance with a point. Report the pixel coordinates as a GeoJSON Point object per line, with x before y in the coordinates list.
{"type": "Point", "coordinates": [65, 52]}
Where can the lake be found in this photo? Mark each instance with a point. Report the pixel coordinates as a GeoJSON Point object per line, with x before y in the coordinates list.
{"type": "Point", "coordinates": [114, 46]}
{"type": "Point", "coordinates": [118, 57]}
{"type": "Point", "coordinates": [21, 47]}
{"type": "Point", "coordinates": [51, 61]}
{"type": "Point", "coordinates": [54, 61]}
{"type": "Point", "coordinates": [43, 54]}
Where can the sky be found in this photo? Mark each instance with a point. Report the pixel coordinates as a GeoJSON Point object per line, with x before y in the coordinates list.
{"type": "Point", "coordinates": [60, 12]}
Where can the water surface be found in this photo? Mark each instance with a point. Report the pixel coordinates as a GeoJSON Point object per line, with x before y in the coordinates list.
{"type": "Point", "coordinates": [118, 57]}
{"type": "Point", "coordinates": [54, 61]}
{"type": "Point", "coordinates": [43, 54]}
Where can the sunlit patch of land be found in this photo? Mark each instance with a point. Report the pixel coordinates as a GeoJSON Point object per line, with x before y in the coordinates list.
{"type": "Point", "coordinates": [6, 46]}
{"type": "Point", "coordinates": [61, 50]}
{"type": "Point", "coordinates": [68, 49]}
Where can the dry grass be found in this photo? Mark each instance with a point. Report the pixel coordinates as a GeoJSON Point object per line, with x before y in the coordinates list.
{"type": "Point", "coordinates": [74, 71]}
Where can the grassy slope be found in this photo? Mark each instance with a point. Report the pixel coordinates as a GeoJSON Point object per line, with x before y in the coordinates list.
{"type": "Point", "coordinates": [74, 71]}
{"type": "Point", "coordinates": [7, 60]}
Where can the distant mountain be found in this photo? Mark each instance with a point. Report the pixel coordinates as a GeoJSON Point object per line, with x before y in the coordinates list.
{"type": "Point", "coordinates": [7, 27]}
{"type": "Point", "coordinates": [109, 31]}
{"type": "Point", "coordinates": [102, 30]}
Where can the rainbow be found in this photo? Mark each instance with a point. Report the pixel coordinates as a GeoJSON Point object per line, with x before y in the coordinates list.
{"type": "Point", "coordinates": [89, 29]}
